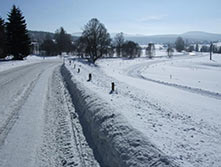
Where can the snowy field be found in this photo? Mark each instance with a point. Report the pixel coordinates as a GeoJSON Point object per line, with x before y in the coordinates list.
{"type": "Point", "coordinates": [174, 102]}
{"type": "Point", "coordinates": [196, 73]}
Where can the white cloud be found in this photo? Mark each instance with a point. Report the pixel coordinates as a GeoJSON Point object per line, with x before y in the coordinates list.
{"type": "Point", "coordinates": [152, 18]}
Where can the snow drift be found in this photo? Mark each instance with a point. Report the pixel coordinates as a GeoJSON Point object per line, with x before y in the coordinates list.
{"type": "Point", "coordinates": [114, 141]}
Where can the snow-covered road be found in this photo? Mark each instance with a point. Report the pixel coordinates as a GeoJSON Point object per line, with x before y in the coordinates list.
{"type": "Point", "coordinates": [38, 125]}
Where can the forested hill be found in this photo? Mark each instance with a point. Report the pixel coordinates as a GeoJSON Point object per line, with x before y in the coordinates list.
{"type": "Point", "coordinates": [40, 36]}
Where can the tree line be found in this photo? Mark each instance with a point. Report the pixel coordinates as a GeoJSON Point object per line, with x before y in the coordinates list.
{"type": "Point", "coordinates": [94, 43]}
{"type": "Point", "coordinates": [181, 45]}
{"type": "Point", "coordinates": [60, 42]}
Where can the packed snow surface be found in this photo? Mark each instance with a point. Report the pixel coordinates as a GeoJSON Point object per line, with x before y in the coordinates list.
{"type": "Point", "coordinates": [174, 102]}
{"type": "Point", "coordinates": [8, 64]}
{"type": "Point", "coordinates": [38, 123]}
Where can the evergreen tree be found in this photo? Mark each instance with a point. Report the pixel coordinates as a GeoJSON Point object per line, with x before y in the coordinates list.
{"type": "Point", "coordinates": [190, 48]}
{"type": "Point", "coordinates": [63, 41]}
{"type": "Point", "coordinates": [49, 46]}
{"type": "Point", "coordinates": [180, 44]}
{"type": "Point", "coordinates": [2, 39]}
{"type": "Point", "coordinates": [197, 47]}
{"type": "Point", "coordinates": [18, 41]}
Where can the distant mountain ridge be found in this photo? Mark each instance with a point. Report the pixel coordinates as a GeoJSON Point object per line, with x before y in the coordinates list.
{"type": "Point", "coordinates": [192, 36]}
{"type": "Point", "coordinates": [202, 35]}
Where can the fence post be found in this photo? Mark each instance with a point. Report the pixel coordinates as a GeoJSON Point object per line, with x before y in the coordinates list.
{"type": "Point", "coordinates": [112, 86]}
{"type": "Point", "coordinates": [89, 77]}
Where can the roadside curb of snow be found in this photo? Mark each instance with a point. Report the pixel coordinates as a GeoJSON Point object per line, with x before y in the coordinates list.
{"type": "Point", "coordinates": [114, 141]}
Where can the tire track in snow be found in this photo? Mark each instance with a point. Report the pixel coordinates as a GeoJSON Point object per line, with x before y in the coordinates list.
{"type": "Point", "coordinates": [186, 88]}
{"type": "Point", "coordinates": [63, 135]}
{"type": "Point", "coordinates": [20, 97]}
{"type": "Point", "coordinates": [22, 139]}
{"type": "Point", "coordinates": [18, 72]}
{"type": "Point", "coordinates": [16, 106]}
{"type": "Point", "coordinates": [134, 71]}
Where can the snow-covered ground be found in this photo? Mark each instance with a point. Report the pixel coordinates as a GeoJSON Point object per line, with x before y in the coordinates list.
{"type": "Point", "coordinates": [197, 72]}
{"type": "Point", "coordinates": [5, 65]}
{"type": "Point", "coordinates": [174, 102]}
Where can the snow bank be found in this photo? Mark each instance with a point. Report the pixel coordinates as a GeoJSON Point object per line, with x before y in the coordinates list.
{"type": "Point", "coordinates": [113, 140]}
{"type": "Point", "coordinates": [9, 64]}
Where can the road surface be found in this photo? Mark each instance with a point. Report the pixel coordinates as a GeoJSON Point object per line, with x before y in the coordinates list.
{"type": "Point", "coordinates": [38, 123]}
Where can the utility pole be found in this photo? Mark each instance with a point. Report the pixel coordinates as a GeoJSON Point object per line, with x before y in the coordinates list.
{"type": "Point", "coordinates": [211, 50]}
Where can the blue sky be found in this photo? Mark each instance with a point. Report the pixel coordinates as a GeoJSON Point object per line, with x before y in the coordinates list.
{"type": "Point", "coordinates": [147, 17]}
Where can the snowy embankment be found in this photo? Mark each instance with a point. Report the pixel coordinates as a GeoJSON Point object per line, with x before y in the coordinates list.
{"type": "Point", "coordinates": [183, 124]}
{"type": "Point", "coordinates": [114, 140]}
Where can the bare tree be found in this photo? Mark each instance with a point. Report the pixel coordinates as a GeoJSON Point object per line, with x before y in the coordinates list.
{"type": "Point", "coordinates": [118, 42]}
{"type": "Point", "coordinates": [150, 50]}
{"type": "Point", "coordinates": [131, 49]}
{"type": "Point", "coordinates": [170, 51]}
{"type": "Point", "coordinates": [81, 47]}
{"type": "Point", "coordinates": [96, 38]}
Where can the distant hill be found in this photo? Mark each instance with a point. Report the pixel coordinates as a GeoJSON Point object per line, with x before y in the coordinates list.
{"type": "Point", "coordinates": [199, 35]}
{"type": "Point", "coordinates": [41, 35]}
{"type": "Point", "coordinates": [193, 36]}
